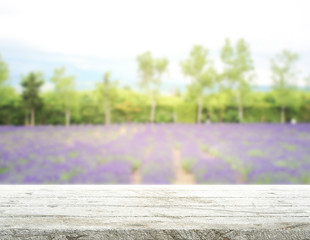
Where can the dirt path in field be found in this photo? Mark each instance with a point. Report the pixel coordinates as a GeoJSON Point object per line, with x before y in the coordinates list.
{"type": "Point", "coordinates": [136, 177]}
{"type": "Point", "coordinates": [122, 131]}
{"type": "Point", "coordinates": [182, 177]}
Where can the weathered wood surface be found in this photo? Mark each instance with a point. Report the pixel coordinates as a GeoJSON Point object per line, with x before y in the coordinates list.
{"type": "Point", "coordinates": [79, 212]}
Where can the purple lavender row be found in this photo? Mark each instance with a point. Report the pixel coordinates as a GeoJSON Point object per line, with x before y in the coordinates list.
{"type": "Point", "coordinates": [157, 167]}
{"type": "Point", "coordinates": [64, 155]}
{"type": "Point", "coordinates": [216, 153]}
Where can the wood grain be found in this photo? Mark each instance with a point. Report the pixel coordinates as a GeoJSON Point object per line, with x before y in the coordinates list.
{"type": "Point", "coordinates": [225, 212]}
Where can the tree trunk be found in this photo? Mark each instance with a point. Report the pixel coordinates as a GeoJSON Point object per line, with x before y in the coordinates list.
{"type": "Point", "coordinates": [174, 117]}
{"type": "Point", "coordinates": [240, 107]}
{"type": "Point", "coordinates": [199, 110]}
{"type": "Point", "coordinates": [240, 113]}
{"type": "Point", "coordinates": [222, 113]}
{"type": "Point", "coordinates": [26, 119]}
{"type": "Point", "coordinates": [153, 111]}
{"type": "Point", "coordinates": [282, 114]}
{"type": "Point", "coordinates": [68, 117]}
{"type": "Point", "coordinates": [107, 112]}
{"type": "Point", "coordinates": [262, 118]}
{"type": "Point", "coordinates": [32, 117]}
{"type": "Point", "coordinates": [9, 119]}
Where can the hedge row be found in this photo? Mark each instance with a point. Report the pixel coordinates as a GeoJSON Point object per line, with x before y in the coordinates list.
{"type": "Point", "coordinates": [181, 113]}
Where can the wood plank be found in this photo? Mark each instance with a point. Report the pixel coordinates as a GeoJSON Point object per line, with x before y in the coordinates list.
{"type": "Point", "coordinates": [154, 212]}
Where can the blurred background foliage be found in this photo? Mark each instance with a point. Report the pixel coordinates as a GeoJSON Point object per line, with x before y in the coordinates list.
{"type": "Point", "coordinates": [225, 95]}
{"type": "Point", "coordinates": [130, 106]}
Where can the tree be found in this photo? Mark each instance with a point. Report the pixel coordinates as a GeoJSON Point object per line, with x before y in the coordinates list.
{"type": "Point", "coordinates": [237, 74]}
{"type": "Point", "coordinates": [31, 85]}
{"type": "Point", "coordinates": [64, 87]}
{"type": "Point", "coordinates": [128, 109]}
{"type": "Point", "coordinates": [4, 74]}
{"type": "Point", "coordinates": [284, 79]}
{"type": "Point", "coordinates": [88, 109]}
{"type": "Point", "coordinates": [307, 83]}
{"type": "Point", "coordinates": [4, 71]}
{"type": "Point", "coordinates": [151, 71]}
{"type": "Point", "coordinates": [198, 67]}
{"type": "Point", "coordinates": [160, 68]}
{"type": "Point", "coordinates": [9, 100]}
{"type": "Point", "coordinates": [306, 94]}
{"type": "Point", "coordinates": [107, 92]}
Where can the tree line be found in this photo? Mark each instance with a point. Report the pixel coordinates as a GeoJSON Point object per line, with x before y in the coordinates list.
{"type": "Point", "coordinates": [224, 95]}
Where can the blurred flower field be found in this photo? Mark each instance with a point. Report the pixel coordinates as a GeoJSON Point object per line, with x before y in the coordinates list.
{"type": "Point", "coordinates": [114, 154]}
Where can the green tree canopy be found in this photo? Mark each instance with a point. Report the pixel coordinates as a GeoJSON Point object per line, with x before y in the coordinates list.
{"type": "Point", "coordinates": [203, 76]}
{"type": "Point", "coordinates": [4, 74]}
{"type": "Point", "coordinates": [31, 85]}
{"type": "Point", "coordinates": [4, 71]}
{"type": "Point", "coordinates": [284, 78]}
{"type": "Point", "coordinates": [107, 92]}
{"type": "Point", "coordinates": [151, 71]}
{"type": "Point", "coordinates": [64, 87]}
{"type": "Point", "coordinates": [237, 74]}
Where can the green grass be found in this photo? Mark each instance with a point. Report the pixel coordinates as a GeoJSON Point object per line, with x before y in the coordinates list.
{"type": "Point", "coordinates": [265, 180]}
{"type": "Point", "coordinates": [289, 147]}
{"type": "Point", "coordinates": [290, 165]}
{"type": "Point", "coordinates": [305, 179]}
{"type": "Point", "coordinates": [209, 151]}
{"type": "Point", "coordinates": [69, 175]}
{"type": "Point", "coordinates": [22, 161]}
{"type": "Point", "coordinates": [187, 164]}
{"type": "Point", "coordinates": [73, 154]}
{"type": "Point", "coordinates": [3, 170]}
{"type": "Point", "coordinates": [135, 165]}
{"type": "Point", "coordinates": [256, 153]}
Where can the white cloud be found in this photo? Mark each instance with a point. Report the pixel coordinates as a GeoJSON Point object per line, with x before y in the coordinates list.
{"type": "Point", "coordinates": [48, 86]}
{"type": "Point", "coordinates": [123, 29]}
{"type": "Point", "coordinates": [128, 27]}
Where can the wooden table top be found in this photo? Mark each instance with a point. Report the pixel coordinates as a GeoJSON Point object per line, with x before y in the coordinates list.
{"type": "Point", "coordinates": [154, 212]}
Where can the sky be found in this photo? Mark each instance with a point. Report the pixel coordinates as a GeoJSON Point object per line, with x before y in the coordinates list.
{"type": "Point", "coordinates": [92, 37]}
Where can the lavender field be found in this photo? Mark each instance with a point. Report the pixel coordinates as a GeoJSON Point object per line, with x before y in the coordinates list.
{"type": "Point", "coordinates": [156, 154]}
